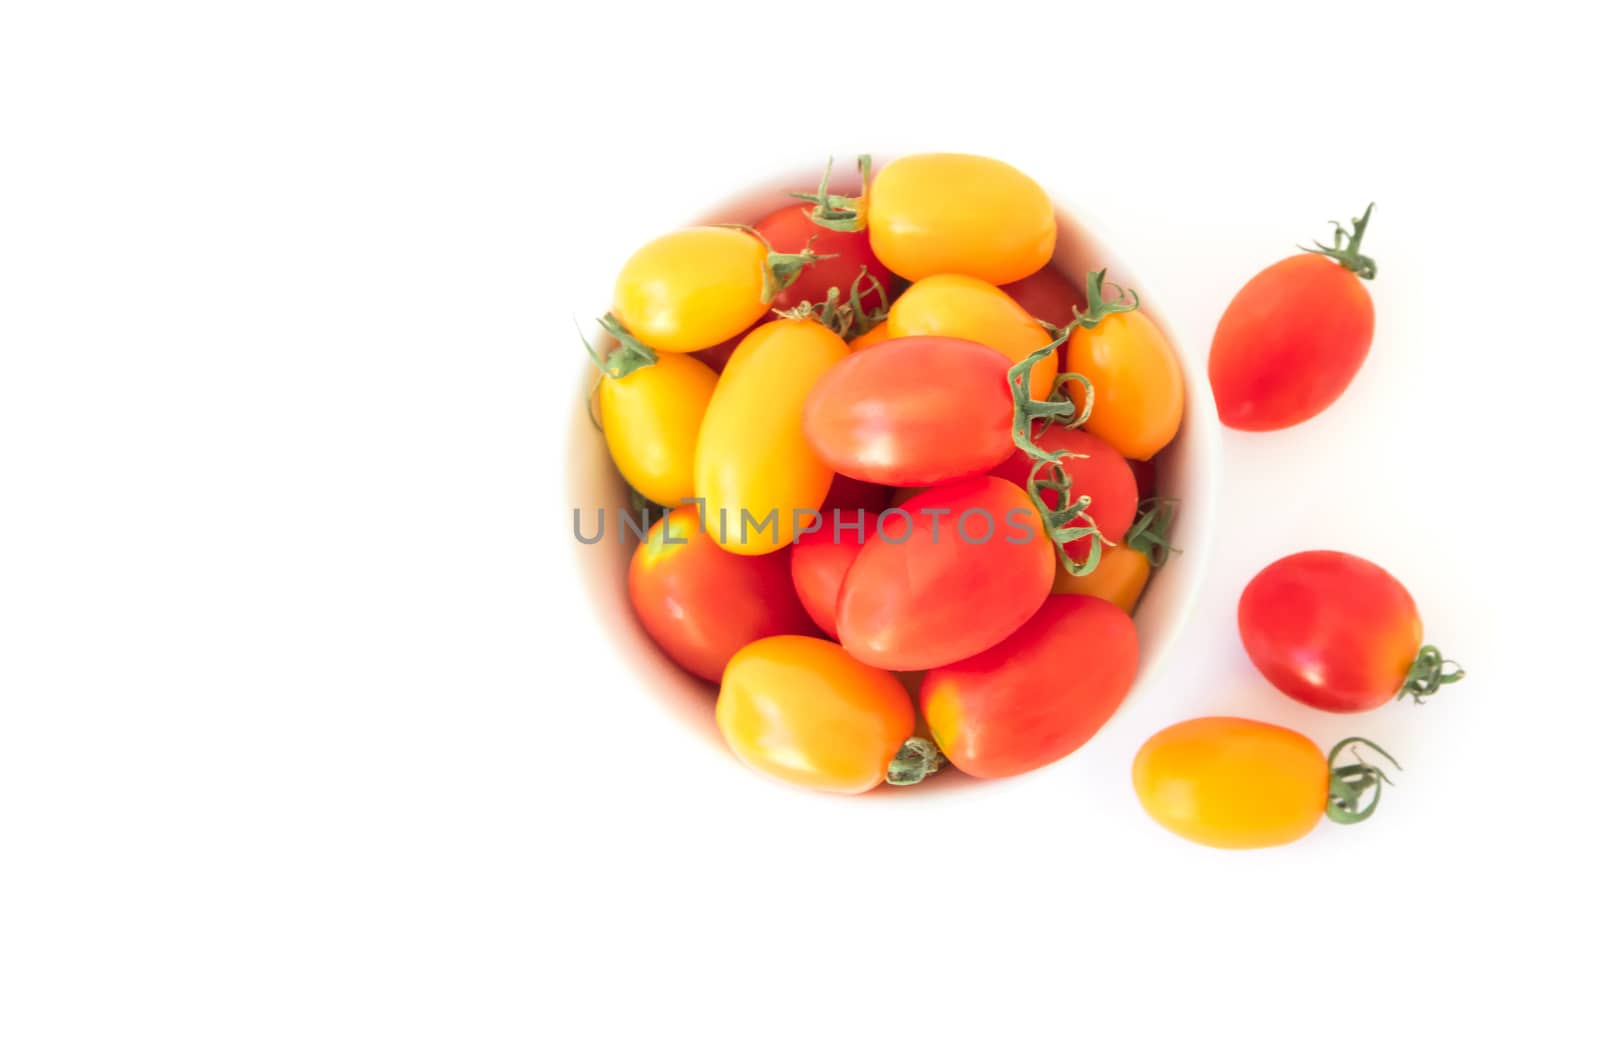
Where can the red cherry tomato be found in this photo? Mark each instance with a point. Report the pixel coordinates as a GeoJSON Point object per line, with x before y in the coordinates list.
{"type": "Point", "coordinates": [717, 357]}
{"type": "Point", "coordinates": [701, 603]}
{"type": "Point", "coordinates": [1096, 470]}
{"type": "Point", "coordinates": [913, 411]}
{"type": "Point", "coordinates": [1293, 338]}
{"type": "Point", "coordinates": [1037, 695]}
{"type": "Point", "coordinates": [955, 571]}
{"type": "Point", "coordinates": [820, 560]}
{"type": "Point", "coordinates": [1047, 294]}
{"type": "Point", "coordinates": [847, 493]}
{"type": "Point", "coordinates": [1338, 633]}
{"type": "Point", "coordinates": [789, 230]}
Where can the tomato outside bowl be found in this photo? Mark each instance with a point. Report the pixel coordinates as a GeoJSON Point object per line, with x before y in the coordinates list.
{"type": "Point", "coordinates": [1187, 469]}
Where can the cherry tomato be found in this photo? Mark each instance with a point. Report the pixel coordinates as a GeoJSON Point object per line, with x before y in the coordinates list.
{"type": "Point", "coordinates": [651, 419]}
{"type": "Point", "coordinates": [820, 560]}
{"type": "Point", "coordinates": [1138, 386]}
{"type": "Point", "coordinates": [847, 493]}
{"type": "Point", "coordinates": [1228, 782]}
{"type": "Point", "coordinates": [842, 255]}
{"type": "Point", "coordinates": [701, 603]}
{"type": "Point", "coordinates": [1338, 633]}
{"type": "Point", "coordinates": [946, 213]}
{"type": "Point", "coordinates": [1047, 294]}
{"type": "Point", "coordinates": [1037, 695]}
{"type": "Point", "coordinates": [876, 335]}
{"type": "Point", "coordinates": [1096, 470]}
{"type": "Point", "coordinates": [800, 709]}
{"type": "Point", "coordinates": [1294, 337]}
{"type": "Point", "coordinates": [971, 309]}
{"type": "Point", "coordinates": [955, 571]}
{"type": "Point", "coordinates": [912, 411]}
{"type": "Point", "coordinates": [752, 464]}
{"type": "Point", "coordinates": [717, 356]}
{"type": "Point", "coordinates": [1119, 578]}
{"type": "Point", "coordinates": [696, 287]}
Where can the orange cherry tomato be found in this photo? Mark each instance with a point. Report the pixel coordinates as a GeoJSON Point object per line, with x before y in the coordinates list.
{"type": "Point", "coordinates": [876, 335]}
{"type": "Point", "coordinates": [966, 308]}
{"type": "Point", "coordinates": [802, 710]}
{"type": "Point", "coordinates": [942, 212]}
{"type": "Point", "coordinates": [1138, 385]}
{"type": "Point", "coordinates": [1120, 578]}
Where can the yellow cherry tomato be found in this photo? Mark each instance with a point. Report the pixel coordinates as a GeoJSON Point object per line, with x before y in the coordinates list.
{"type": "Point", "coordinates": [693, 288]}
{"type": "Point", "coordinates": [651, 419]}
{"type": "Point", "coordinates": [971, 309]}
{"type": "Point", "coordinates": [801, 709]}
{"type": "Point", "coordinates": [876, 335]}
{"type": "Point", "coordinates": [943, 212]}
{"type": "Point", "coordinates": [1138, 386]}
{"type": "Point", "coordinates": [1119, 578]}
{"type": "Point", "coordinates": [752, 466]}
{"type": "Point", "coordinates": [1229, 782]}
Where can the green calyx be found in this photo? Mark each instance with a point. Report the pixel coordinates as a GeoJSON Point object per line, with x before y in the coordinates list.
{"type": "Point", "coordinates": [1349, 783]}
{"type": "Point", "coordinates": [916, 760]}
{"type": "Point", "coordinates": [779, 270]}
{"type": "Point", "coordinates": [1068, 521]}
{"type": "Point", "coordinates": [1429, 673]}
{"type": "Point", "coordinates": [841, 213]}
{"type": "Point", "coordinates": [1099, 305]}
{"type": "Point", "coordinates": [1346, 248]}
{"type": "Point", "coordinates": [830, 312]}
{"type": "Point", "coordinates": [629, 356]}
{"type": "Point", "coordinates": [1150, 532]}
{"type": "Point", "coordinates": [864, 317]}
{"type": "Point", "coordinates": [846, 318]}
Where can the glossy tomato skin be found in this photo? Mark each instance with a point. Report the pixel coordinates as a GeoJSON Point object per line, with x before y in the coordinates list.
{"type": "Point", "coordinates": [651, 419]}
{"type": "Point", "coordinates": [943, 212]}
{"type": "Point", "coordinates": [843, 255]}
{"type": "Point", "coordinates": [1331, 630]}
{"type": "Point", "coordinates": [752, 453]}
{"type": "Point", "coordinates": [1037, 695]}
{"type": "Point", "coordinates": [701, 604]}
{"type": "Point", "coordinates": [1232, 783]}
{"type": "Point", "coordinates": [820, 560]}
{"type": "Point", "coordinates": [1138, 385]}
{"type": "Point", "coordinates": [912, 411]}
{"type": "Point", "coordinates": [1289, 343]}
{"type": "Point", "coordinates": [1119, 578]}
{"type": "Point", "coordinates": [717, 355]}
{"type": "Point", "coordinates": [692, 288]}
{"type": "Point", "coordinates": [970, 309]}
{"type": "Point", "coordinates": [1049, 295]}
{"type": "Point", "coordinates": [801, 710]}
{"type": "Point", "coordinates": [921, 594]}
{"type": "Point", "coordinates": [871, 338]}
{"type": "Point", "coordinates": [1097, 471]}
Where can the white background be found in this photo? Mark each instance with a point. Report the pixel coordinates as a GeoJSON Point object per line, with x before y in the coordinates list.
{"type": "Point", "coordinates": [304, 735]}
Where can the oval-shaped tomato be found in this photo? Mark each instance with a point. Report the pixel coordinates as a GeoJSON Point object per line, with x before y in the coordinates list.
{"type": "Point", "coordinates": [651, 419]}
{"type": "Point", "coordinates": [1037, 695]}
{"type": "Point", "coordinates": [1049, 295]}
{"type": "Point", "coordinates": [753, 466]}
{"type": "Point", "coordinates": [692, 288]}
{"type": "Point", "coordinates": [1096, 470]}
{"type": "Point", "coordinates": [955, 571]}
{"type": "Point", "coordinates": [1229, 782]}
{"type": "Point", "coordinates": [876, 335]}
{"type": "Point", "coordinates": [800, 709]}
{"type": "Point", "coordinates": [700, 603]}
{"type": "Point", "coordinates": [841, 256]}
{"type": "Point", "coordinates": [1293, 338]}
{"type": "Point", "coordinates": [944, 212]}
{"type": "Point", "coordinates": [1138, 385]}
{"type": "Point", "coordinates": [970, 309]}
{"type": "Point", "coordinates": [1337, 632]}
{"type": "Point", "coordinates": [820, 560]}
{"type": "Point", "coordinates": [913, 411]}
{"type": "Point", "coordinates": [717, 356]}
{"type": "Point", "coordinates": [1119, 578]}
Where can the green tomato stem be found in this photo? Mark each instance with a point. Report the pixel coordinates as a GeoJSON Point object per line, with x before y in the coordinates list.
{"type": "Point", "coordinates": [916, 760]}
{"type": "Point", "coordinates": [1348, 783]}
{"type": "Point", "coordinates": [1429, 673]}
{"type": "Point", "coordinates": [842, 213]}
{"type": "Point", "coordinates": [1346, 248]}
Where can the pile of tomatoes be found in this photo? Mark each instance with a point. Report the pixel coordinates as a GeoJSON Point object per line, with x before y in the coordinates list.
{"type": "Point", "coordinates": [897, 470]}
{"type": "Point", "coordinates": [905, 466]}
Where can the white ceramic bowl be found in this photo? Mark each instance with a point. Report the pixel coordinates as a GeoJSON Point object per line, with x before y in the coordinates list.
{"type": "Point", "coordinates": [1188, 469]}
